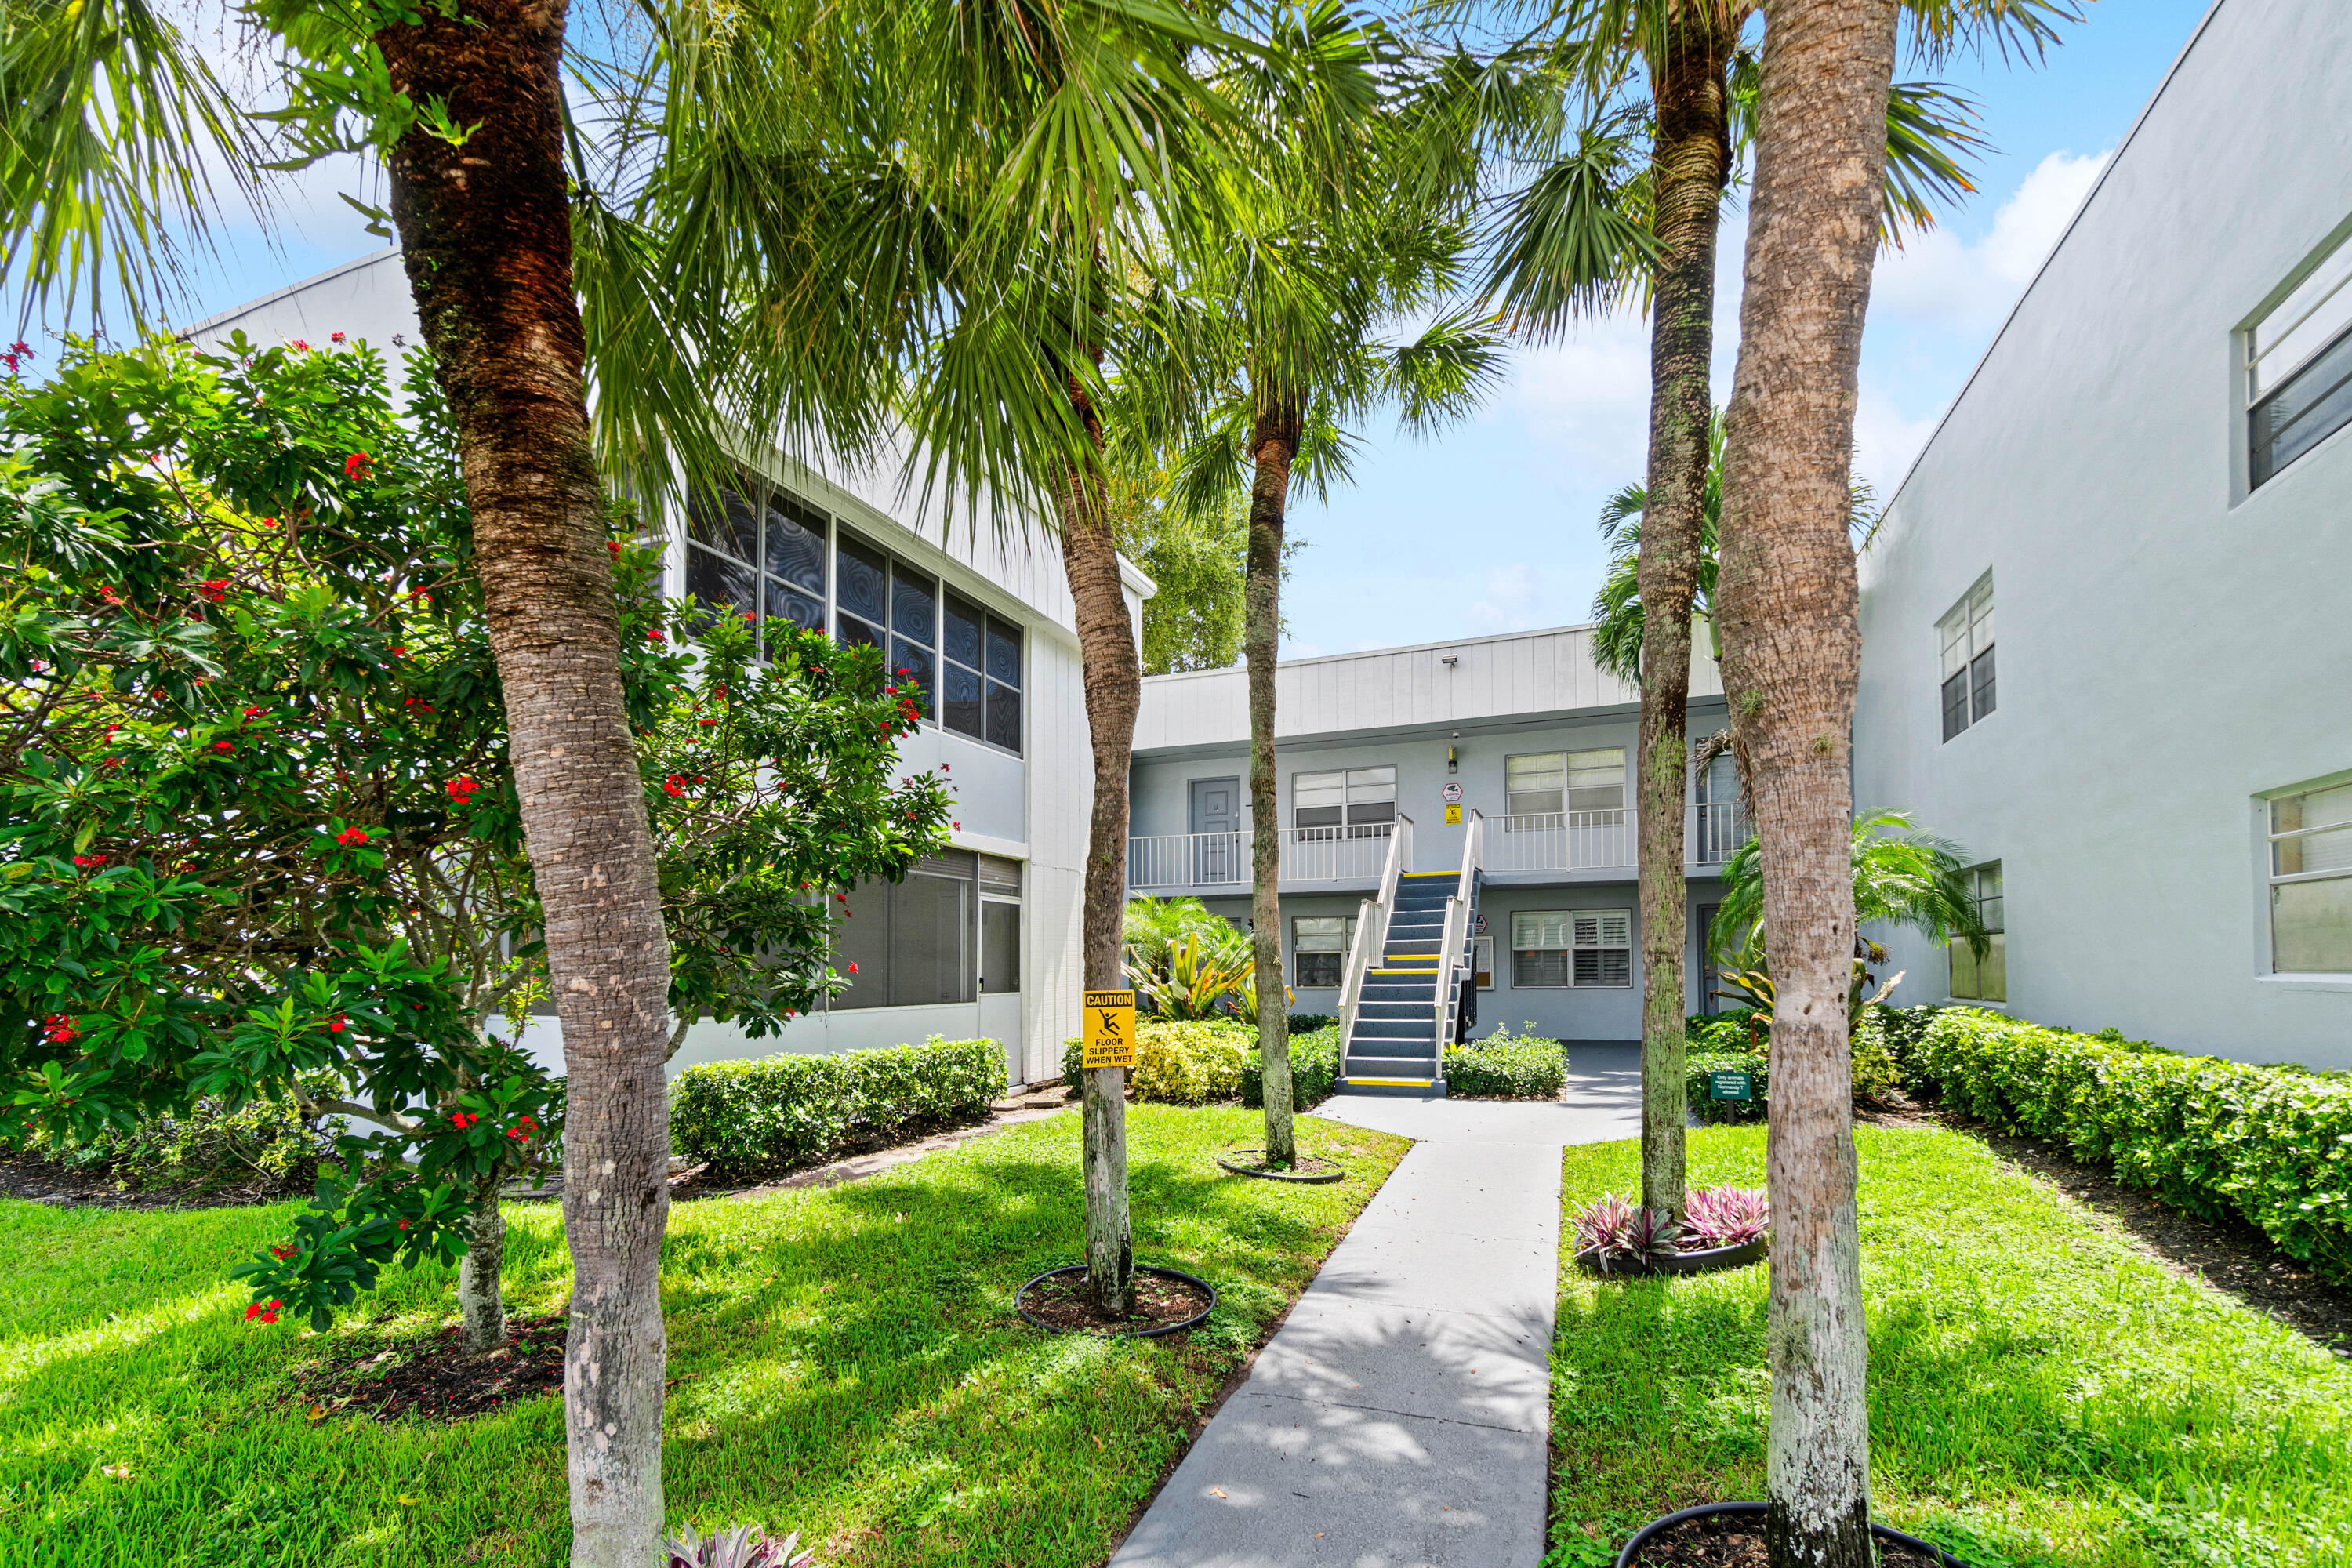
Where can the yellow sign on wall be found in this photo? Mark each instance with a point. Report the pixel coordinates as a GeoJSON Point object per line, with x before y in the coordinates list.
{"type": "Point", "coordinates": [1453, 817]}
{"type": "Point", "coordinates": [1111, 1029]}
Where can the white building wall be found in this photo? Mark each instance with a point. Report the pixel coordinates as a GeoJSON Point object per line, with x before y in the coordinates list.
{"type": "Point", "coordinates": [1032, 808]}
{"type": "Point", "coordinates": [2168, 648]}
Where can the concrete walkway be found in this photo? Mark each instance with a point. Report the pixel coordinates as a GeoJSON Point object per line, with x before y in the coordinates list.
{"type": "Point", "coordinates": [1400, 1417]}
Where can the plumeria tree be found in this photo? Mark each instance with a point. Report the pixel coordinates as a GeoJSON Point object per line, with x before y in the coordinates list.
{"type": "Point", "coordinates": [264, 822]}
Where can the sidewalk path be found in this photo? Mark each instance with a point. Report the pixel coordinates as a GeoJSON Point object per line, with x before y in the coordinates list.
{"type": "Point", "coordinates": [1400, 1417]}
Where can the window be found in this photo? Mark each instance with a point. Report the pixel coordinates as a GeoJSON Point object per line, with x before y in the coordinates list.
{"type": "Point", "coordinates": [1003, 714]}
{"type": "Point", "coordinates": [1482, 963]}
{"type": "Point", "coordinates": [1967, 636]}
{"type": "Point", "coordinates": [762, 557]}
{"type": "Point", "coordinates": [2311, 882]}
{"type": "Point", "coordinates": [1548, 783]}
{"type": "Point", "coordinates": [912, 941]}
{"type": "Point", "coordinates": [1571, 948]}
{"type": "Point", "coordinates": [2299, 370]}
{"type": "Point", "coordinates": [1319, 950]}
{"type": "Point", "coordinates": [1722, 820]}
{"type": "Point", "coordinates": [1352, 803]}
{"type": "Point", "coordinates": [1000, 925]}
{"type": "Point", "coordinates": [1983, 979]}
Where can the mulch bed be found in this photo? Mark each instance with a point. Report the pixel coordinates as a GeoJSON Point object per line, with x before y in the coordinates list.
{"type": "Point", "coordinates": [40, 1181]}
{"type": "Point", "coordinates": [432, 1376]}
{"type": "Point", "coordinates": [1736, 1540]}
{"type": "Point", "coordinates": [2233, 1255]}
{"type": "Point", "coordinates": [1156, 1302]}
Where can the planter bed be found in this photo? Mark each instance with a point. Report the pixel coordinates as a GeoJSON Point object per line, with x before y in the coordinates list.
{"type": "Point", "coordinates": [1699, 1260]}
{"type": "Point", "coordinates": [1731, 1536]}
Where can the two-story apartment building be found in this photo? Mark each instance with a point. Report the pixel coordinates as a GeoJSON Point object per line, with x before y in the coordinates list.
{"type": "Point", "coordinates": [2106, 632]}
{"type": "Point", "coordinates": [1525, 732]}
{"type": "Point", "coordinates": [980, 941]}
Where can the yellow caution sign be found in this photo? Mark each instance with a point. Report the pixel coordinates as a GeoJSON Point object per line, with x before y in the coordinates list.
{"type": "Point", "coordinates": [1453, 817]}
{"type": "Point", "coordinates": [1111, 1029]}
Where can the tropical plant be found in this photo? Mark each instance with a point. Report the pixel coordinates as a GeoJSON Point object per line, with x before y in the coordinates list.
{"type": "Point", "coordinates": [1614, 1232]}
{"type": "Point", "coordinates": [1727, 1215]}
{"type": "Point", "coordinates": [743, 1547]}
{"type": "Point", "coordinates": [264, 834]}
{"type": "Point", "coordinates": [1628, 121]}
{"type": "Point", "coordinates": [1901, 877]}
{"type": "Point", "coordinates": [1283, 349]}
{"type": "Point", "coordinates": [1150, 925]}
{"type": "Point", "coordinates": [1196, 562]}
{"type": "Point", "coordinates": [1202, 974]}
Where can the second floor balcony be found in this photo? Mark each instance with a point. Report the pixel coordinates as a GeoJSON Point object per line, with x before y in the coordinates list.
{"type": "Point", "coordinates": [1598, 846]}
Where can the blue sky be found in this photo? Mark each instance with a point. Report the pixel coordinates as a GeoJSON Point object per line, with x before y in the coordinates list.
{"type": "Point", "coordinates": [1489, 526]}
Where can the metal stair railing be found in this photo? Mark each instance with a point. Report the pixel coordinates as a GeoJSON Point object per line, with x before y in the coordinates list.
{"type": "Point", "coordinates": [1454, 946]}
{"type": "Point", "coordinates": [1371, 935]}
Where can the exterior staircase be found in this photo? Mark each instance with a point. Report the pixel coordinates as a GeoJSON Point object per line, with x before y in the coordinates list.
{"type": "Point", "coordinates": [1400, 998]}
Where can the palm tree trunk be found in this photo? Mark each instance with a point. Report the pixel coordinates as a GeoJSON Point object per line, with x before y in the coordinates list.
{"type": "Point", "coordinates": [1274, 445]}
{"type": "Point", "coordinates": [1791, 653]}
{"type": "Point", "coordinates": [1691, 160]}
{"type": "Point", "coordinates": [485, 232]}
{"type": "Point", "coordinates": [1113, 669]}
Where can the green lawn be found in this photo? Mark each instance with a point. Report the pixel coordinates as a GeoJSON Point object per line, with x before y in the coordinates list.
{"type": "Point", "coordinates": [2041, 1393]}
{"type": "Point", "coordinates": [846, 1364]}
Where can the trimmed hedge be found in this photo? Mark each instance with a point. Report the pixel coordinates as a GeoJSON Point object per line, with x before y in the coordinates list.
{"type": "Point", "coordinates": [2212, 1137]}
{"type": "Point", "coordinates": [1314, 1069]}
{"type": "Point", "coordinates": [266, 1148]}
{"type": "Point", "coordinates": [1506, 1066]}
{"type": "Point", "coordinates": [755, 1117]}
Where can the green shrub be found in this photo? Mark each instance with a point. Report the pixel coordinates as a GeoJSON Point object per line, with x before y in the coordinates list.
{"type": "Point", "coordinates": [1698, 1087]}
{"type": "Point", "coordinates": [2212, 1137]}
{"type": "Point", "coordinates": [1879, 1043]}
{"type": "Point", "coordinates": [1178, 1063]}
{"type": "Point", "coordinates": [1314, 1069]}
{"type": "Point", "coordinates": [266, 1148]}
{"type": "Point", "coordinates": [754, 1117]}
{"type": "Point", "coordinates": [1308, 1022]}
{"type": "Point", "coordinates": [1505, 1066]}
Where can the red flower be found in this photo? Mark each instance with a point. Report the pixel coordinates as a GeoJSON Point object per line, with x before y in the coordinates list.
{"type": "Point", "coordinates": [111, 762]}
{"type": "Point", "coordinates": [338, 1024]}
{"type": "Point", "coordinates": [461, 790]}
{"type": "Point", "coordinates": [334, 337]}
{"type": "Point", "coordinates": [614, 546]}
{"type": "Point", "coordinates": [355, 467]}
{"type": "Point", "coordinates": [283, 1253]}
{"type": "Point", "coordinates": [267, 1313]}
{"type": "Point", "coordinates": [399, 650]}
{"type": "Point", "coordinates": [58, 1029]}
{"type": "Point", "coordinates": [352, 837]}
{"type": "Point", "coordinates": [301, 347]}
{"type": "Point", "coordinates": [674, 786]}
{"type": "Point", "coordinates": [269, 522]}
{"type": "Point", "coordinates": [957, 826]}
{"type": "Point", "coordinates": [853, 969]}
{"type": "Point", "coordinates": [223, 746]}
{"type": "Point", "coordinates": [213, 589]}
{"type": "Point", "coordinates": [654, 634]}
{"type": "Point", "coordinates": [112, 597]}
{"type": "Point", "coordinates": [253, 713]}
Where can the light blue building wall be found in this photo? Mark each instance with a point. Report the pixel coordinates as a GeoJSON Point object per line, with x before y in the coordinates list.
{"type": "Point", "coordinates": [2141, 499]}
{"type": "Point", "coordinates": [1395, 728]}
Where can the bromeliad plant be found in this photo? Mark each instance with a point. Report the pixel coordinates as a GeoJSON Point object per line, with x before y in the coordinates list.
{"type": "Point", "coordinates": [1615, 1234]}
{"type": "Point", "coordinates": [261, 827]}
{"type": "Point", "coordinates": [742, 1547]}
{"type": "Point", "coordinates": [1727, 1215]}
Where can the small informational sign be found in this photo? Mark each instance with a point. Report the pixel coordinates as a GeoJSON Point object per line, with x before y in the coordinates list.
{"type": "Point", "coordinates": [1453, 817]}
{"type": "Point", "coordinates": [1722, 1085]}
{"type": "Point", "coordinates": [1454, 795]}
{"type": "Point", "coordinates": [1111, 1029]}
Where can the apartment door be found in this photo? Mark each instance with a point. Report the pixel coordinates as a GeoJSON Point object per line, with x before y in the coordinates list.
{"type": "Point", "coordinates": [1216, 831]}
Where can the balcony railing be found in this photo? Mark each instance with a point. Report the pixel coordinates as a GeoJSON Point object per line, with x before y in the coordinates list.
{"type": "Point", "coordinates": [1560, 841]}
{"type": "Point", "coordinates": [1339, 855]}
{"type": "Point", "coordinates": [1717, 829]}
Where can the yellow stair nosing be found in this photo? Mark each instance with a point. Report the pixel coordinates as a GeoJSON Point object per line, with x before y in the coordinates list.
{"type": "Point", "coordinates": [1397, 1082]}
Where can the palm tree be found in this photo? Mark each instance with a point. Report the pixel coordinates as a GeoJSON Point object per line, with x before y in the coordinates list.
{"type": "Point", "coordinates": [1625, 202]}
{"type": "Point", "coordinates": [1902, 876]}
{"type": "Point", "coordinates": [1287, 310]}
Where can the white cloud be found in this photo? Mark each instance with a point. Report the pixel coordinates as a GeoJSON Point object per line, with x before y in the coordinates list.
{"type": "Point", "coordinates": [1885, 441]}
{"type": "Point", "coordinates": [1513, 598]}
{"type": "Point", "coordinates": [1941, 279]}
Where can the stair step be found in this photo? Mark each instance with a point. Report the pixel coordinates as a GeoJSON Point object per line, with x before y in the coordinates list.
{"type": "Point", "coordinates": [1401, 1008]}
{"type": "Point", "coordinates": [1394, 1029]}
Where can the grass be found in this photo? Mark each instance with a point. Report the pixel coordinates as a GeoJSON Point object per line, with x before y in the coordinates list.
{"type": "Point", "coordinates": [845, 1363]}
{"type": "Point", "coordinates": [2043, 1395]}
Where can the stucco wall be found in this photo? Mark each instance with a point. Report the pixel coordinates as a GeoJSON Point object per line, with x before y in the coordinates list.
{"type": "Point", "coordinates": [2168, 650]}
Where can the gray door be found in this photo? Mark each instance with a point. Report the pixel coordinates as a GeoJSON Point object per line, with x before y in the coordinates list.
{"type": "Point", "coordinates": [1217, 830]}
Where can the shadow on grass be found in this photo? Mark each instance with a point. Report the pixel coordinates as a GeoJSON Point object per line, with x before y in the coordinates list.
{"type": "Point", "coordinates": [2038, 1393]}
{"type": "Point", "coordinates": [844, 1361]}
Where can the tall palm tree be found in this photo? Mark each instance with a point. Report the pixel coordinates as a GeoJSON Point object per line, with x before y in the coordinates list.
{"type": "Point", "coordinates": [1284, 352]}
{"type": "Point", "coordinates": [1793, 650]}
{"type": "Point", "coordinates": [1625, 201]}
